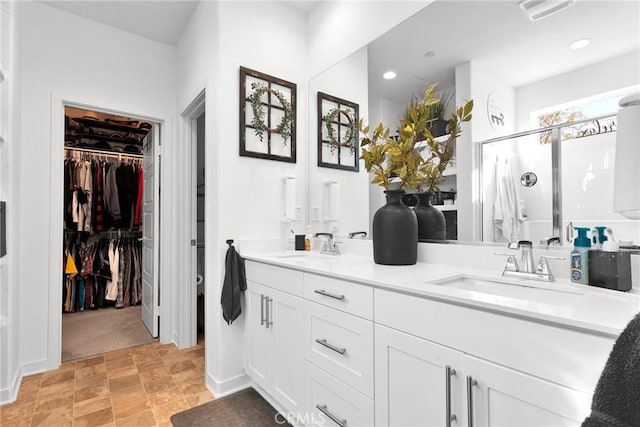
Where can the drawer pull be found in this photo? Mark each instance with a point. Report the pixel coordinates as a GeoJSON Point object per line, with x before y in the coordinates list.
{"type": "Point", "coordinates": [324, 342]}
{"type": "Point", "coordinates": [324, 410]}
{"type": "Point", "coordinates": [471, 383]}
{"type": "Point", "coordinates": [329, 294]}
{"type": "Point", "coordinates": [261, 309]}
{"type": "Point", "coordinates": [449, 372]}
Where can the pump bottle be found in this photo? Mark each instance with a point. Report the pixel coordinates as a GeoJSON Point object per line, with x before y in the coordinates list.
{"type": "Point", "coordinates": [580, 257]}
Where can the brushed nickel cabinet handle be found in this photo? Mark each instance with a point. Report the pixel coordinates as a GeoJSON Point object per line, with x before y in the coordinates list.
{"type": "Point", "coordinates": [269, 311]}
{"type": "Point", "coordinates": [449, 372]}
{"type": "Point", "coordinates": [329, 294]}
{"type": "Point", "coordinates": [261, 309]}
{"type": "Point", "coordinates": [470, 384]}
{"type": "Point", "coordinates": [324, 342]}
{"type": "Point", "coordinates": [325, 410]}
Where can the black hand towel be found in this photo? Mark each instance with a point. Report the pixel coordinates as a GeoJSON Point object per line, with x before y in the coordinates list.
{"type": "Point", "coordinates": [234, 283]}
{"type": "Point", "coordinates": [616, 400]}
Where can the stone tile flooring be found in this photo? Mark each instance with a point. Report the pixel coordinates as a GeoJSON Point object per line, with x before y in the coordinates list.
{"type": "Point", "coordinates": [139, 386]}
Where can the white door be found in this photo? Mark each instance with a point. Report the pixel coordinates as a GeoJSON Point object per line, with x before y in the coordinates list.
{"type": "Point", "coordinates": [150, 222]}
{"type": "Point", "coordinates": [502, 397]}
{"type": "Point", "coordinates": [415, 383]}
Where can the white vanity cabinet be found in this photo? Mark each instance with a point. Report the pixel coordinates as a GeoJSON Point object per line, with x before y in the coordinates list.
{"type": "Point", "coordinates": [419, 382]}
{"type": "Point", "coordinates": [274, 333]}
{"type": "Point", "coordinates": [432, 363]}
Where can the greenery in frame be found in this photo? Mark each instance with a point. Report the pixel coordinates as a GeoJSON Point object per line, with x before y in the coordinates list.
{"type": "Point", "coordinates": [351, 135]}
{"type": "Point", "coordinates": [388, 158]}
{"type": "Point", "coordinates": [258, 121]}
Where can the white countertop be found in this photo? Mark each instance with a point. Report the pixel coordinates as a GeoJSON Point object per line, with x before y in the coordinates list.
{"type": "Point", "coordinates": [563, 303]}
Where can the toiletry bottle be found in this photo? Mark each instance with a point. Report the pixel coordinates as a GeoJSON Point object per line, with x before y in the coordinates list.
{"type": "Point", "coordinates": [307, 238]}
{"type": "Point", "coordinates": [599, 237]}
{"type": "Point", "coordinates": [580, 256]}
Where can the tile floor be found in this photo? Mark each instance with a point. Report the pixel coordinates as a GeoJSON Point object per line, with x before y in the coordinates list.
{"type": "Point", "coordinates": [139, 386]}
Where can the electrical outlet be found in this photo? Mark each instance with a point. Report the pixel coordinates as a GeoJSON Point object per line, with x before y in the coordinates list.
{"type": "Point", "coordinates": [298, 213]}
{"type": "Point", "coordinates": [315, 214]}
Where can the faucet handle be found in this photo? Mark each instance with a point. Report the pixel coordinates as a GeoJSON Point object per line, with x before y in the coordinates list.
{"type": "Point", "coordinates": [512, 263]}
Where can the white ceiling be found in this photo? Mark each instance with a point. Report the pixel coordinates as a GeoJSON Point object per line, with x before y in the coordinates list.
{"type": "Point", "coordinates": [496, 32]}
{"type": "Point", "coordinates": [162, 20]}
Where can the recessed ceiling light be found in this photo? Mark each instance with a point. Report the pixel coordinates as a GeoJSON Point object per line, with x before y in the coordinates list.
{"type": "Point", "coordinates": [579, 44]}
{"type": "Point", "coordinates": [389, 75]}
{"type": "Point", "coordinates": [429, 54]}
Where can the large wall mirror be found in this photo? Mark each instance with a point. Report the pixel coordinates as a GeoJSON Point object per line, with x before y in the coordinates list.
{"type": "Point", "coordinates": [519, 70]}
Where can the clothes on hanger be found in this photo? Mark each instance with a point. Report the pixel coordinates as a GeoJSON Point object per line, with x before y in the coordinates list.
{"type": "Point", "coordinates": [110, 272]}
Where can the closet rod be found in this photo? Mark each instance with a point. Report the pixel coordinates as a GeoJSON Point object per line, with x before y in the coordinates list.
{"type": "Point", "coordinates": [106, 153]}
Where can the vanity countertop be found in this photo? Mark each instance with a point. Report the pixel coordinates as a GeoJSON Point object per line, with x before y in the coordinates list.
{"type": "Point", "coordinates": [563, 303]}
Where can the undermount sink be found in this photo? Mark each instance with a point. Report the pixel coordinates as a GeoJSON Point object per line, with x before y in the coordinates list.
{"type": "Point", "coordinates": [303, 255]}
{"type": "Point", "coordinates": [510, 289]}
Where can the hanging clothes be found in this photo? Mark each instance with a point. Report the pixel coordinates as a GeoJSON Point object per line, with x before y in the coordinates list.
{"type": "Point", "coordinates": [507, 215]}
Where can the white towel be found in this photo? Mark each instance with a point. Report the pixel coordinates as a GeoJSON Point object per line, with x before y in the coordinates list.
{"type": "Point", "coordinates": [507, 216]}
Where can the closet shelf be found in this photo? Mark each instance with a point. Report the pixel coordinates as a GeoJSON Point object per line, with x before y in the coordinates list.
{"type": "Point", "coordinates": [106, 138]}
{"type": "Point", "coordinates": [109, 126]}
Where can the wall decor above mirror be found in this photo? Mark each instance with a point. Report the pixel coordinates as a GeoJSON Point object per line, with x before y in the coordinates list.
{"type": "Point", "coordinates": [337, 133]}
{"type": "Point", "coordinates": [267, 116]}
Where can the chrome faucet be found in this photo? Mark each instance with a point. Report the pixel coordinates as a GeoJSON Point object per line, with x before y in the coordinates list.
{"type": "Point", "coordinates": [525, 269]}
{"type": "Point", "coordinates": [526, 257]}
{"type": "Point", "coordinates": [329, 246]}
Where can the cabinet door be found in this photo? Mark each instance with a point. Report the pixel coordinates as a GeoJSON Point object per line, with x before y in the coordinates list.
{"type": "Point", "coordinates": [411, 381]}
{"type": "Point", "coordinates": [285, 321]}
{"type": "Point", "coordinates": [503, 397]}
{"type": "Point", "coordinates": [259, 348]}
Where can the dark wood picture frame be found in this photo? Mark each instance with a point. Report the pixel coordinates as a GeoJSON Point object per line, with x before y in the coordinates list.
{"type": "Point", "coordinates": [336, 156]}
{"type": "Point", "coordinates": [274, 147]}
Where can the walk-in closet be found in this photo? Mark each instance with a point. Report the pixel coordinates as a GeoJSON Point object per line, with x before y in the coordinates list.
{"type": "Point", "coordinates": [103, 222]}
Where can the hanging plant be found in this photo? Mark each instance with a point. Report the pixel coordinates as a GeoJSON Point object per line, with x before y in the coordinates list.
{"type": "Point", "coordinates": [351, 135]}
{"type": "Point", "coordinates": [258, 122]}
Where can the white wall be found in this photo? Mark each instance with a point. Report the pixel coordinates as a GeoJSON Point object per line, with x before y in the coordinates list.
{"type": "Point", "coordinates": [615, 73]}
{"type": "Point", "coordinates": [347, 80]}
{"type": "Point", "coordinates": [243, 193]}
{"type": "Point", "coordinates": [9, 156]}
{"type": "Point", "coordinates": [476, 80]}
{"type": "Point", "coordinates": [64, 57]}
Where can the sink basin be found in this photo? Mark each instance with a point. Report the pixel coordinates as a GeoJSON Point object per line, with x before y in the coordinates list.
{"type": "Point", "coordinates": [303, 255]}
{"type": "Point", "coordinates": [511, 289]}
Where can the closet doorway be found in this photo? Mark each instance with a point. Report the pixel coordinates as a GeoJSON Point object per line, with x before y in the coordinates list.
{"type": "Point", "coordinates": [110, 289]}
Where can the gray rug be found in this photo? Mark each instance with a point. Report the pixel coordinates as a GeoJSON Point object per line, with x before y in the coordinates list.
{"type": "Point", "coordinates": [245, 408]}
{"type": "Point", "coordinates": [87, 333]}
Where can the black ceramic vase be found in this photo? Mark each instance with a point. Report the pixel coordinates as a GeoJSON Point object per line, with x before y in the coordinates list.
{"type": "Point", "coordinates": [395, 232]}
{"type": "Point", "coordinates": [431, 222]}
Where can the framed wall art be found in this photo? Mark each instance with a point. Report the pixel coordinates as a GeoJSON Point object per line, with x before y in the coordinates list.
{"type": "Point", "coordinates": [338, 135]}
{"type": "Point", "coordinates": [267, 117]}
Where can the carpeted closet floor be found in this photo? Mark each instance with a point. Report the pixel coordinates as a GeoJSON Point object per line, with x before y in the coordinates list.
{"type": "Point", "coordinates": [140, 386]}
{"type": "Point", "coordinates": [87, 333]}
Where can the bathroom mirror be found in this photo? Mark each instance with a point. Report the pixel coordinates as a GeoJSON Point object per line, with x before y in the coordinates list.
{"type": "Point", "coordinates": [526, 66]}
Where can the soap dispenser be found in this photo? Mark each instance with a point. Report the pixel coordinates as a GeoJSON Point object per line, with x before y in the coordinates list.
{"type": "Point", "coordinates": [599, 237]}
{"type": "Point", "coordinates": [580, 256]}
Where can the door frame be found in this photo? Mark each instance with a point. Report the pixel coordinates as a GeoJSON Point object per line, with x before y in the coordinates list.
{"type": "Point", "coordinates": [56, 228]}
{"type": "Point", "coordinates": [188, 324]}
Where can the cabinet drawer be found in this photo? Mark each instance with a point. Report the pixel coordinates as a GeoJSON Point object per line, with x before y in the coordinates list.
{"type": "Point", "coordinates": [284, 279]}
{"type": "Point", "coordinates": [341, 344]}
{"type": "Point", "coordinates": [327, 397]}
{"type": "Point", "coordinates": [346, 296]}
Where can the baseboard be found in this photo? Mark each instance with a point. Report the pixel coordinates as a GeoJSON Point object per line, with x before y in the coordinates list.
{"type": "Point", "coordinates": [226, 387]}
{"type": "Point", "coordinates": [9, 395]}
